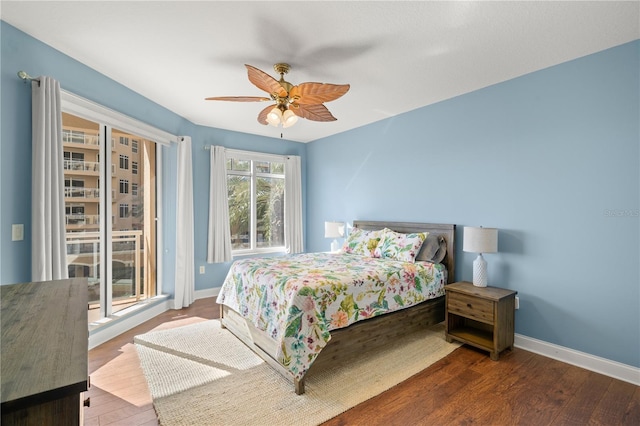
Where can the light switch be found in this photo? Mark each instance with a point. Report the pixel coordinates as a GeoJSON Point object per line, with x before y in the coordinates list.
{"type": "Point", "coordinates": [17, 232]}
{"type": "Point", "coordinates": [202, 269]}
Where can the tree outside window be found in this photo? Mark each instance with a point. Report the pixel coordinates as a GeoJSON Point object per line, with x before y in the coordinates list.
{"type": "Point", "coordinates": [256, 203]}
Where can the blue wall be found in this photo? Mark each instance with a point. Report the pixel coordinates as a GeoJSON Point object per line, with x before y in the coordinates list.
{"type": "Point", "coordinates": [551, 159]}
{"type": "Point", "coordinates": [206, 136]}
{"type": "Point", "coordinates": [22, 52]}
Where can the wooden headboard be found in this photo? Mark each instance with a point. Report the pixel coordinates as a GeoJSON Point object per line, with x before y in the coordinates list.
{"type": "Point", "coordinates": [447, 231]}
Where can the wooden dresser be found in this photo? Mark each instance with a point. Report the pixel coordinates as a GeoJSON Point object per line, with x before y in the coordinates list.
{"type": "Point", "coordinates": [44, 346]}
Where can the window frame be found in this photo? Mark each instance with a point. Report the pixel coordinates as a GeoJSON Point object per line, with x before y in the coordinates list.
{"type": "Point", "coordinates": [254, 175]}
{"type": "Point", "coordinates": [81, 107]}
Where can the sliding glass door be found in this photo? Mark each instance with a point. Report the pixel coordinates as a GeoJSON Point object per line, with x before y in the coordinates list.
{"type": "Point", "coordinates": [110, 203]}
{"type": "Point", "coordinates": [133, 248]}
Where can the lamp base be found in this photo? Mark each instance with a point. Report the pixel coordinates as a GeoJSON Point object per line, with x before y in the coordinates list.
{"type": "Point", "coordinates": [480, 271]}
{"type": "Point", "coordinates": [335, 246]}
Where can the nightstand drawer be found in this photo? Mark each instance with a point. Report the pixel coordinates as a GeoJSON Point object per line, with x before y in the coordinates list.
{"type": "Point", "coordinates": [470, 307]}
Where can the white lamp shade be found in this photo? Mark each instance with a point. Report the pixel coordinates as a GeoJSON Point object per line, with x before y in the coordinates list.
{"type": "Point", "coordinates": [333, 229]}
{"type": "Point", "coordinates": [289, 118]}
{"type": "Point", "coordinates": [480, 240]}
{"type": "Point", "coordinates": [274, 117]}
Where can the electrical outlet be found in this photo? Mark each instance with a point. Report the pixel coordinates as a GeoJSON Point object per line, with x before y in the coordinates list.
{"type": "Point", "coordinates": [517, 302]}
{"type": "Point", "coordinates": [202, 269]}
{"type": "Point", "coordinates": [17, 232]}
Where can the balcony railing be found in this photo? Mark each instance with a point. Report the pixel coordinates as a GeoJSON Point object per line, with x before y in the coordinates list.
{"type": "Point", "coordinates": [127, 254]}
{"type": "Point", "coordinates": [79, 138]}
{"type": "Point", "coordinates": [82, 219]}
{"type": "Point", "coordinates": [81, 166]}
{"type": "Point", "coordinates": [81, 192]}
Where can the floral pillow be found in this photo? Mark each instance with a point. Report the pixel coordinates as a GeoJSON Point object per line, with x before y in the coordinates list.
{"type": "Point", "coordinates": [403, 247]}
{"type": "Point", "coordinates": [363, 242]}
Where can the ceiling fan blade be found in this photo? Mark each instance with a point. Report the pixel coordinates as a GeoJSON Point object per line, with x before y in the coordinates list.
{"type": "Point", "coordinates": [314, 112]}
{"type": "Point", "coordinates": [238, 98]}
{"type": "Point", "coordinates": [264, 81]}
{"type": "Point", "coordinates": [317, 93]}
{"type": "Point", "coordinates": [262, 117]}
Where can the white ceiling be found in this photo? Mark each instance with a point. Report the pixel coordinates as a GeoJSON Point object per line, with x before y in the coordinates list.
{"type": "Point", "coordinates": [397, 56]}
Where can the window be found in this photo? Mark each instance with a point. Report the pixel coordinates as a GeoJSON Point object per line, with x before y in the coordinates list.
{"type": "Point", "coordinates": [134, 189]}
{"type": "Point", "coordinates": [255, 184]}
{"type": "Point", "coordinates": [74, 209]}
{"type": "Point", "coordinates": [121, 255]}
{"type": "Point", "coordinates": [134, 146]}
{"type": "Point", "coordinates": [136, 210]}
{"type": "Point", "coordinates": [74, 214]}
{"type": "Point", "coordinates": [73, 160]}
{"type": "Point", "coordinates": [124, 186]}
{"type": "Point", "coordinates": [73, 187]}
{"type": "Point", "coordinates": [134, 167]}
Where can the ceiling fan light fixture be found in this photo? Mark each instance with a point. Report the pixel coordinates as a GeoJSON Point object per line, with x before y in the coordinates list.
{"type": "Point", "coordinates": [307, 98]}
{"type": "Point", "coordinates": [289, 118]}
{"type": "Point", "coordinates": [274, 117]}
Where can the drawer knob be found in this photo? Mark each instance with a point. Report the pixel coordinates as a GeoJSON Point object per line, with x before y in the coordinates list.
{"type": "Point", "coordinates": [87, 402]}
{"type": "Point", "coordinates": [468, 305]}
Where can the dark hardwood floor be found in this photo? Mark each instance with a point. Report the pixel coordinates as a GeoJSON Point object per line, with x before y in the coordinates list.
{"type": "Point", "coordinates": [464, 388]}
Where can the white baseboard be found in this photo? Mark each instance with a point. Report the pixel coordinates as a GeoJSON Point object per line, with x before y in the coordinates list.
{"type": "Point", "coordinates": [119, 326]}
{"type": "Point", "coordinates": [604, 366]}
{"type": "Point", "coordinates": [209, 292]}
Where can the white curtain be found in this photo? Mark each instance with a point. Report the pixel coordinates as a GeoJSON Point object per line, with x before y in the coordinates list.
{"type": "Point", "coordinates": [293, 205]}
{"type": "Point", "coordinates": [185, 263]}
{"type": "Point", "coordinates": [48, 243]}
{"type": "Point", "coordinates": [219, 234]}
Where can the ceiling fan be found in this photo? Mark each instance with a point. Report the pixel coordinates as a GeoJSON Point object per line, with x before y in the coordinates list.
{"type": "Point", "coordinates": [304, 100]}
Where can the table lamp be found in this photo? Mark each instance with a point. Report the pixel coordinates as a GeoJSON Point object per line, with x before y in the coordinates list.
{"type": "Point", "coordinates": [480, 240]}
{"type": "Point", "coordinates": [334, 230]}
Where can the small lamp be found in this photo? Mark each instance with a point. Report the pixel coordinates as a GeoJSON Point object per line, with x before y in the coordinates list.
{"type": "Point", "coordinates": [480, 240]}
{"type": "Point", "coordinates": [334, 230]}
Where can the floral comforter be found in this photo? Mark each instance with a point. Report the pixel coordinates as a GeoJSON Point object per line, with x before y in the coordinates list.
{"type": "Point", "coordinates": [298, 299]}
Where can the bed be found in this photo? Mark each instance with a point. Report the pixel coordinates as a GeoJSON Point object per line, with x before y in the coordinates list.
{"type": "Point", "coordinates": [303, 312]}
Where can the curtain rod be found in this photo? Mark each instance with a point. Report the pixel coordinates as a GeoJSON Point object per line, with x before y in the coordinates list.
{"type": "Point", "coordinates": [24, 76]}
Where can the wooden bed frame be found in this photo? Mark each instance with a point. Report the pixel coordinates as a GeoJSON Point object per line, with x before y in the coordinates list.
{"type": "Point", "coordinates": [363, 335]}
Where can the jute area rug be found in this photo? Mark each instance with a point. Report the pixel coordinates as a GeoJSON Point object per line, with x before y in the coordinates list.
{"type": "Point", "coordinates": [201, 374]}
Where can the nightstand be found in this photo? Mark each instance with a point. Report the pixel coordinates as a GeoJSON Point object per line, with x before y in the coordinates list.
{"type": "Point", "coordinates": [480, 316]}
